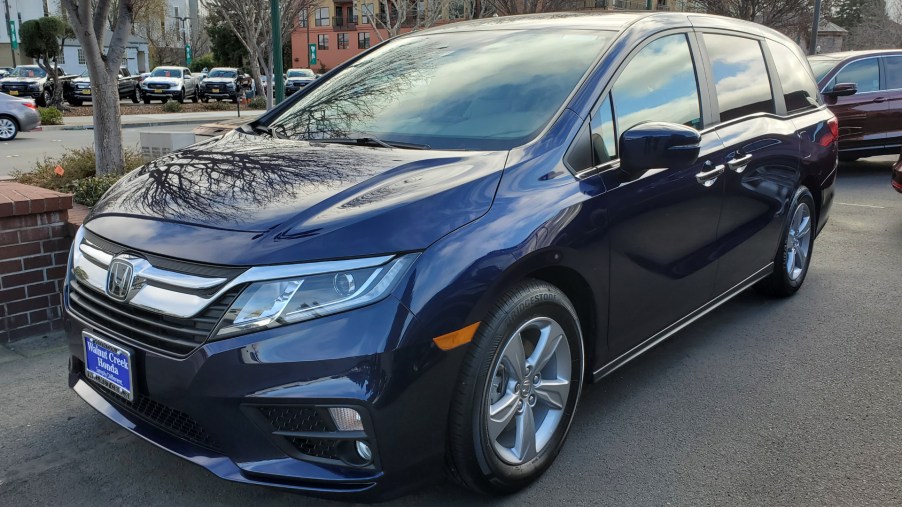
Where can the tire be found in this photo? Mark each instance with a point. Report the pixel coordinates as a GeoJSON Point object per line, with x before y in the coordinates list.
{"type": "Point", "coordinates": [9, 128]}
{"type": "Point", "coordinates": [181, 97]}
{"type": "Point", "coordinates": [45, 98]}
{"type": "Point", "coordinates": [194, 97]}
{"type": "Point", "coordinates": [481, 461]}
{"type": "Point", "coordinates": [205, 99]}
{"type": "Point", "coordinates": [164, 100]}
{"type": "Point", "coordinates": [146, 100]}
{"type": "Point", "coordinates": [235, 99]}
{"type": "Point", "coordinates": [136, 97]}
{"type": "Point", "coordinates": [796, 247]}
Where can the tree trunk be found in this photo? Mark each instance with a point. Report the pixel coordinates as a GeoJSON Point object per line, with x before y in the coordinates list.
{"type": "Point", "coordinates": [107, 129]}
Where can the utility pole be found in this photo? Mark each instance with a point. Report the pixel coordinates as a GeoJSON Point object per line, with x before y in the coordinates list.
{"type": "Point", "coordinates": [278, 81]}
{"type": "Point", "coordinates": [10, 30]}
{"type": "Point", "coordinates": [812, 47]}
{"type": "Point", "coordinates": [307, 24]}
{"type": "Point", "coordinates": [187, 47]}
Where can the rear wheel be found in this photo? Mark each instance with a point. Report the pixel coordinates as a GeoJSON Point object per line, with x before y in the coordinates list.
{"type": "Point", "coordinates": [517, 391]}
{"type": "Point", "coordinates": [45, 98]}
{"type": "Point", "coordinates": [8, 128]}
{"type": "Point", "coordinates": [146, 100]}
{"type": "Point", "coordinates": [194, 96]}
{"type": "Point", "coordinates": [794, 255]}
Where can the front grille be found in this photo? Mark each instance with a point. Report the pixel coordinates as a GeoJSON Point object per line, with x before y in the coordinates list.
{"type": "Point", "coordinates": [166, 418]}
{"type": "Point", "coordinates": [158, 86]}
{"type": "Point", "coordinates": [146, 329]}
{"type": "Point", "coordinates": [295, 418]}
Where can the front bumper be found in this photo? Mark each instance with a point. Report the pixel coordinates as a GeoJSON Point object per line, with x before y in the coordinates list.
{"type": "Point", "coordinates": [32, 94]}
{"type": "Point", "coordinates": [159, 93]}
{"type": "Point", "coordinates": [221, 94]}
{"type": "Point", "coordinates": [206, 406]}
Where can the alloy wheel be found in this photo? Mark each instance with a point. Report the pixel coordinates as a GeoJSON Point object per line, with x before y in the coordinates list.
{"type": "Point", "coordinates": [798, 242]}
{"type": "Point", "coordinates": [7, 128]}
{"type": "Point", "coordinates": [528, 391]}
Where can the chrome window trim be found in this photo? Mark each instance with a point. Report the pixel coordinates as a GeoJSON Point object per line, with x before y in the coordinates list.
{"type": "Point", "coordinates": [166, 301]}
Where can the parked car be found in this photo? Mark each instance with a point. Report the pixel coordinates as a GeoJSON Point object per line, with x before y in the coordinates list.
{"type": "Point", "coordinates": [31, 81]}
{"type": "Point", "coordinates": [221, 83]}
{"type": "Point", "coordinates": [79, 89]}
{"type": "Point", "coordinates": [864, 90]}
{"type": "Point", "coordinates": [17, 115]}
{"type": "Point", "coordinates": [5, 71]}
{"type": "Point", "coordinates": [897, 174]}
{"type": "Point", "coordinates": [417, 264]}
{"type": "Point", "coordinates": [297, 79]}
{"type": "Point", "coordinates": [167, 83]}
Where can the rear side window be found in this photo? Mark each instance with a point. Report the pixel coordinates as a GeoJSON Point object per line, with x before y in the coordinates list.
{"type": "Point", "coordinates": [646, 92]}
{"type": "Point", "coordinates": [893, 65]}
{"type": "Point", "coordinates": [739, 76]}
{"type": "Point", "coordinates": [799, 89]}
{"type": "Point", "coordinates": [864, 73]}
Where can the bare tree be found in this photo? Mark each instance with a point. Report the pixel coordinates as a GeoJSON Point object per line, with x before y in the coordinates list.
{"type": "Point", "coordinates": [250, 20]}
{"type": "Point", "coordinates": [89, 22]}
{"type": "Point", "coordinates": [876, 28]}
{"type": "Point", "coordinates": [513, 7]}
{"type": "Point", "coordinates": [784, 15]}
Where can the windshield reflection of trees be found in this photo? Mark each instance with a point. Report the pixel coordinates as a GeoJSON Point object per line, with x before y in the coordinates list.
{"type": "Point", "coordinates": [234, 178]}
{"type": "Point", "coordinates": [353, 98]}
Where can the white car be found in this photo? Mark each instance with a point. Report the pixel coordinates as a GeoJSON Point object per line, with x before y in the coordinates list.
{"type": "Point", "coordinates": [167, 83]}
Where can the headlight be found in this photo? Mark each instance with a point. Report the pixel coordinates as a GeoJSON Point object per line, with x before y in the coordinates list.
{"type": "Point", "coordinates": [33, 87]}
{"type": "Point", "coordinates": [277, 302]}
{"type": "Point", "coordinates": [230, 86]}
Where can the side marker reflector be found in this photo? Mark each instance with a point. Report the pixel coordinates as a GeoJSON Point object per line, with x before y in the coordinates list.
{"type": "Point", "coordinates": [456, 338]}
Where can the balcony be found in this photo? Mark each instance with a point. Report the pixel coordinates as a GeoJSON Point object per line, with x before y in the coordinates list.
{"type": "Point", "coordinates": [344, 23]}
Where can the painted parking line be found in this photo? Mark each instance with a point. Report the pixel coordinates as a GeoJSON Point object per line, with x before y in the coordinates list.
{"type": "Point", "coordinates": [861, 205]}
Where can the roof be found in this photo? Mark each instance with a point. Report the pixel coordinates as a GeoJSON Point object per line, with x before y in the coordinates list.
{"type": "Point", "coordinates": [851, 54]}
{"type": "Point", "coordinates": [596, 20]}
{"type": "Point", "coordinates": [829, 26]}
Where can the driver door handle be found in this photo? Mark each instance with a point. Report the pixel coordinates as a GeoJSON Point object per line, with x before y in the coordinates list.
{"type": "Point", "coordinates": [879, 99]}
{"type": "Point", "coordinates": [707, 178]}
{"type": "Point", "coordinates": [739, 164]}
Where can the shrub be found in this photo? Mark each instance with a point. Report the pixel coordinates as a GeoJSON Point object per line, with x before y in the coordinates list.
{"type": "Point", "coordinates": [198, 64]}
{"type": "Point", "coordinates": [172, 107]}
{"type": "Point", "coordinates": [258, 102]}
{"type": "Point", "coordinates": [218, 106]}
{"type": "Point", "coordinates": [77, 164]}
{"type": "Point", "coordinates": [88, 191]}
{"type": "Point", "coordinates": [50, 116]}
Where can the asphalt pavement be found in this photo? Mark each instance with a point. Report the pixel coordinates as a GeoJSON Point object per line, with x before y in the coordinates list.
{"type": "Point", "coordinates": [762, 402]}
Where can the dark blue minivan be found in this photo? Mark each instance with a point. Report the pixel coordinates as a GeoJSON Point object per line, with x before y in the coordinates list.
{"type": "Point", "coordinates": [412, 266]}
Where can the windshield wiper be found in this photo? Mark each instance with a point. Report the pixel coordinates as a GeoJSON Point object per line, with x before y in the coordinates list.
{"type": "Point", "coordinates": [372, 141]}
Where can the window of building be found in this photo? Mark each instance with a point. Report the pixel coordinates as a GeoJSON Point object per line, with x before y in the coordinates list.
{"type": "Point", "coordinates": [740, 76]}
{"type": "Point", "coordinates": [61, 58]}
{"type": "Point", "coordinates": [893, 65]}
{"type": "Point", "coordinates": [799, 88]}
{"type": "Point", "coordinates": [368, 12]}
{"type": "Point", "coordinates": [363, 40]}
{"type": "Point", "coordinates": [864, 73]}
{"type": "Point", "coordinates": [343, 41]}
{"type": "Point", "coordinates": [322, 16]}
{"type": "Point", "coordinates": [302, 19]}
{"type": "Point", "coordinates": [81, 56]}
{"type": "Point", "coordinates": [644, 93]}
{"type": "Point", "coordinates": [323, 42]}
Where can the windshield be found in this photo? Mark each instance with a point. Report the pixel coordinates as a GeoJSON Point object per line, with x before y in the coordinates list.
{"type": "Point", "coordinates": [300, 73]}
{"type": "Point", "coordinates": [231, 74]}
{"type": "Point", "coordinates": [821, 67]}
{"type": "Point", "coordinates": [166, 73]}
{"type": "Point", "coordinates": [467, 90]}
{"type": "Point", "coordinates": [28, 71]}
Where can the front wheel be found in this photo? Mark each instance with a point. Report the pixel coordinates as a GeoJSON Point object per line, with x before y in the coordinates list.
{"type": "Point", "coordinates": [194, 97]}
{"type": "Point", "coordinates": [8, 128]}
{"type": "Point", "coordinates": [517, 391]}
{"type": "Point", "coordinates": [794, 254]}
{"type": "Point", "coordinates": [136, 96]}
{"type": "Point", "coordinates": [181, 96]}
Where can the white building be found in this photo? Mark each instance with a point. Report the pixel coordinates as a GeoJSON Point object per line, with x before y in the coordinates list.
{"type": "Point", "coordinates": [136, 58]}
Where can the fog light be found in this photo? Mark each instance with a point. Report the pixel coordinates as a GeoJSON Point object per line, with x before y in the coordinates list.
{"type": "Point", "coordinates": [364, 451]}
{"type": "Point", "coordinates": [347, 419]}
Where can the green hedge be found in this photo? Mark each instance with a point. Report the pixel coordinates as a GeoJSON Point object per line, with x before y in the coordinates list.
{"type": "Point", "coordinates": [50, 116]}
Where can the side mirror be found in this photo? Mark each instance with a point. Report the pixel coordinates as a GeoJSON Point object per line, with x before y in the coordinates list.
{"type": "Point", "coordinates": [654, 145]}
{"type": "Point", "coordinates": [842, 90]}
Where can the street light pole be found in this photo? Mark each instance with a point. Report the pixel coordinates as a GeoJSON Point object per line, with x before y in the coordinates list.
{"type": "Point", "coordinates": [812, 47]}
{"type": "Point", "coordinates": [9, 30]}
{"type": "Point", "coordinates": [277, 80]}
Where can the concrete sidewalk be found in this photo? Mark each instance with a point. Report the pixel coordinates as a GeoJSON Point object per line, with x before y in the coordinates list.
{"type": "Point", "coordinates": [152, 120]}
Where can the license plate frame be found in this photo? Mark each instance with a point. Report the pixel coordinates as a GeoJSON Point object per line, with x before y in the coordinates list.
{"type": "Point", "coordinates": [215, 90]}
{"type": "Point", "coordinates": [105, 351]}
{"type": "Point", "coordinates": [14, 93]}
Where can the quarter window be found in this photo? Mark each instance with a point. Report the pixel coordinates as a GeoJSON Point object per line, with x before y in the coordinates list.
{"type": "Point", "coordinates": [604, 139]}
{"type": "Point", "coordinates": [893, 65]}
{"type": "Point", "coordinates": [323, 41]}
{"type": "Point", "coordinates": [644, 93]}
{"type": "Point", "coordinates": [864, 73]}
{"type": "Point", "coordinates": [799, 88]}
{"type": "Point", "coordinates": [740, 76]}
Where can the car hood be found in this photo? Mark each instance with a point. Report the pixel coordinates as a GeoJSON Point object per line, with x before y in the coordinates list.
{"type": "Point", "coordinates": [249, 200]}
{"type": "Point", "coordinates": [82, 80]}
{"type": "Point", "coordinates": [21, 80]}
{"type": "Point", "coordinates": [165, 80]}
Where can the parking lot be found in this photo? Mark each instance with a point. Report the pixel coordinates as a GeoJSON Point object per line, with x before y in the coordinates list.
{"type": "Point", "coordinates": [789, 402]}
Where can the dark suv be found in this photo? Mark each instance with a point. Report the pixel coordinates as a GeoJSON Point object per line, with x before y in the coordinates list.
{"type": "Point", "coordinates": [864, 91]}
{"type": "Point", "coordinates": [414, 266]}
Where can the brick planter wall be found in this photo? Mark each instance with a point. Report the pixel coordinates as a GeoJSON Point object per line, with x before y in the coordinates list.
{"type": "Point", "coordinates": [34, 248]}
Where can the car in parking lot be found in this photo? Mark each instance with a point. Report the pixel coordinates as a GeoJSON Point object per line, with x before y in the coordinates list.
{"type": "Point", "coordinates": [297, 79]}
{"type": "Point", "coordinates": [79, 90]}
{"type": "Point", "coordinates": [31, 81]}
{"type": "Point", "coordinates": [221, 83]}
{"type": "Point", "coordinates": [166, 83]}
{"type": "Point", "coordinates": [414, 267]}
{"type": "Point", "coordinates": [17, 115]}
{"type": "Point", "coordinates": [5, 71]}
{"type": "Point", "coordinates": [864, 90]}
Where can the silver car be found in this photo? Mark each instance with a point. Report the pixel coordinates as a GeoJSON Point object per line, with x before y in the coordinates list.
{"type": "Point", "coordinates": [17, 114]}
